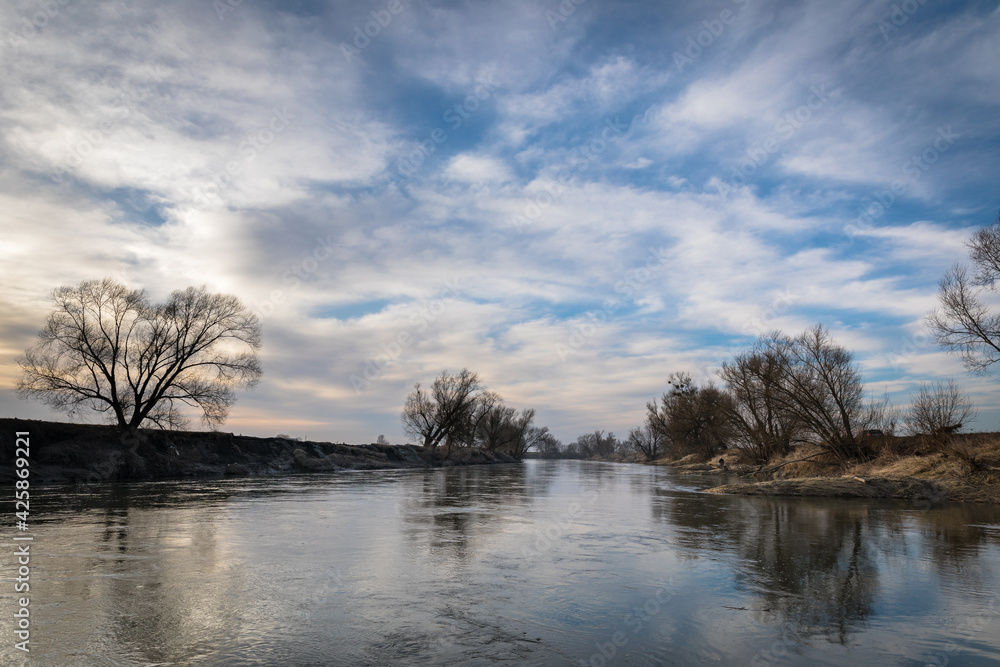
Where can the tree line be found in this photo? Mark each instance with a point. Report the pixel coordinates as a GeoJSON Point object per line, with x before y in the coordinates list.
{"type": "Point", "coordinates": [785, 390]}
{"type": "Point", "coordinates": [457, 411]}
{"type": "Point", "coordinates": [109, 348]}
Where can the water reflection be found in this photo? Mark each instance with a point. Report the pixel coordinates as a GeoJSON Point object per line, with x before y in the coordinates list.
{"type": "Point", "coordinates": [459, 506]}
{"type": "Point", "coordinates": [813, 566]}
{"type": "Point", "coordinates": [543, 563]}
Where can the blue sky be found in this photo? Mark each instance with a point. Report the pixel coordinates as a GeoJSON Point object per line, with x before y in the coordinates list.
{"type": "Point", "coordinates": [573, 199]}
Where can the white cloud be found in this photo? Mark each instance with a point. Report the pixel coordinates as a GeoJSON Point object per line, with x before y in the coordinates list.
{"type": "Point", "coordinates": [309, 226]}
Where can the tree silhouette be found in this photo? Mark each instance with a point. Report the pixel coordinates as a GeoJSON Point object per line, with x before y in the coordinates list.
{"type": "Point", "coordinates": [108, 348]}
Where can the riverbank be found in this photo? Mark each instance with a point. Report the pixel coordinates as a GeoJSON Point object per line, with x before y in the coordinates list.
{"type": "Point", "coordinates": [965, 469]}
{"type": "Point", "coordinates": [62, 452]}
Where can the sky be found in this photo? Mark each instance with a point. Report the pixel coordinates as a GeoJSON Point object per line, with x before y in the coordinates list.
{"type": "Point", "coordinates": [573, 199]}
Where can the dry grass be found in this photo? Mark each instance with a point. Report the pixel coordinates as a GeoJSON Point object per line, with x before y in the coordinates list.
{"type": "Point", "coordinates": [965, 467]}
{"type": "Point", "coordinates": [821, 465]}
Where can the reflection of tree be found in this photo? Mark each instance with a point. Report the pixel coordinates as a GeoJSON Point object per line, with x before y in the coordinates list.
{"type": "Point", "coordinates": [955, 537]}
{"type": "Point", "coordinates": [144, 572]}
{"type": "Point", "coordinates": [818, 576]}
{"type": "Point", "coordinates": [812, 565]}
{"type": "Point", "coordinates": [458, 504]}
{"type": "Point", "coordinates": [815, 562]}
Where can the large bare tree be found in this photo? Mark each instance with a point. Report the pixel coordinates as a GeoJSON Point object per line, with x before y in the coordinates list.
{"type": "Point", "coordinates": [445, 411]}
{"type": "Point", "coordinates": [107, 347]}
{"type": "Point", "coordinates": [965, 322]}
{"type": "Point", "coordinates": [822, 387]}
{"type": "Point", "coordinates": [765, 426]}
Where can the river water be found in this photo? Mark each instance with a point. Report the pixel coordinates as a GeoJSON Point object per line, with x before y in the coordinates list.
{"type": "Point", "coordinates": [544, 563]}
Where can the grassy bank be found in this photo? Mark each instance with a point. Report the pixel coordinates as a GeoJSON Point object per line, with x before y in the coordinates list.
{"type": "Point", "coordinates": [963, 468]}
{"type": "Point", "coordinates": [61, 452]}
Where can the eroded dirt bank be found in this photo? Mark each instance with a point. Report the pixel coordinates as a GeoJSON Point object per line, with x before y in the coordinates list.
{"type": "Point", "coordinates": [61, 452]}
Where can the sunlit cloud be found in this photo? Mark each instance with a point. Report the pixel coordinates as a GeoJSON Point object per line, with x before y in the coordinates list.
{"type": "Point", "coordinates": [562, 205]}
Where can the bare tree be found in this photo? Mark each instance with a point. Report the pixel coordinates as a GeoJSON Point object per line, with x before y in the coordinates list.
{"type": "Point", "coordinates": [445, 411]}
{"type": "Point", "coordinates": [822, 387]}
{"type": "Point", "coordinates": [548, 444]}
{"type": "Point", "coordinates": [584, 446]}
{"type": "Point", "coordinates": [964, 323]}
{"type": "Point", "coordinates": [493, 422]}
{"type": "Point", "coordinates": [764, 425]}
{"type": "Point", "coordinates": [646, 440]}
{"type": "Point", "coordinates": [940, 408]}
{"type": "Point", "coordinates": [690, 418]}
{"type": "Point", "coordinates": [106, 347]}
{"type": "Point", "coordinates": [523, 436]}
{"type": "Point", "coordinates": [522, 433]}
{"type": "Point", "coordinates": [596, 444]}
{"type": "Point", "coordinates": [881, 415]}
{"type": "Point", "coordinates": [984, 250]}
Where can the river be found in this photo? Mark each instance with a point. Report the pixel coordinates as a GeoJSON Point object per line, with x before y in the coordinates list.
{"type": "Point", "coordinates": [544, 563]}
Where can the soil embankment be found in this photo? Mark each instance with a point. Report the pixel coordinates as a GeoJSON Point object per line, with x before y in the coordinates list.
{"type": "Point", "coordinates": [61, 452]}
{"type": "Point", "coordinates": [965, 469]}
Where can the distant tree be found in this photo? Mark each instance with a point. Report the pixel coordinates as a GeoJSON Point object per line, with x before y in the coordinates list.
{"type": "Point", "coordinates": [606, 445]}
{"type": "Point", "coordinates": [524, 436]}
{"type": "Point", "coordinates": [691, 419]}
{"type": "Point", "coordinates": [765, 426]}
{"type": "Point", "coordinates": [623, 449]}
{"type": "Point", "coordinates": [939, 409]}
{"type": "Point", "coordinates": [548, 445]}
{"type": "Point", "coordinates": [493, 422]}
{"type": "Point", "coordinates": [645, 440]}
{"type": "Point", "coordinates": [444, 412]}
{"type": "Point", "coordinates": [883, 416]}
{"type": "Point", "coordinates": [965, 324]}
{"type": "Point", "coordinates": [108, 348]}
{"type": "Point", "coordinates": [586, 446]}
{"type": "Point", "coordinates": [596, 445]}
{"type": "Point", "coordinates": [382, 440]}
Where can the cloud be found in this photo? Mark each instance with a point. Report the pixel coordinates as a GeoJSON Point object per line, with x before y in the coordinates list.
{"type": "Point", "coordinates": [476, 169]}
{"type": "Point", "coordinates": [585, 230]}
